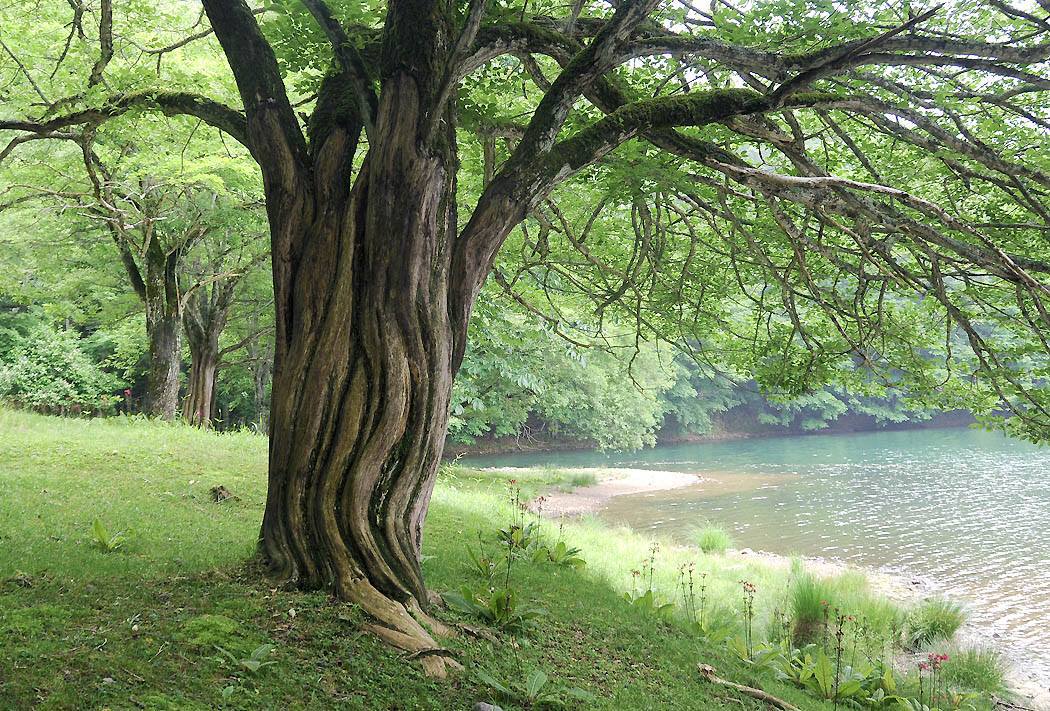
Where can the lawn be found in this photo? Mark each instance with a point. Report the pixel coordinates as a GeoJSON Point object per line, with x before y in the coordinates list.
{"type": "Point", "coordinates": [171, 618]}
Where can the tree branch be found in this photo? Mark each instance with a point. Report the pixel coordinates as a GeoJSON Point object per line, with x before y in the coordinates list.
{"type": "Point", "coordinates": [273, 133]}
{"type": "Point", "coordinates": [105, 41]}
{"type": "Point", "coordinates": [169, 103]}
{"type": "Point", "coordinates": [351, 62]}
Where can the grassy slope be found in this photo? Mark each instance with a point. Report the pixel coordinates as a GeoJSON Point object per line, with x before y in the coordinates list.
{"type": "Point", "coordinates": [66, 641]}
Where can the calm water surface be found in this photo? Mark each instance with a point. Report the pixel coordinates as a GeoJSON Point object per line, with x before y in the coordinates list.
{"type": "Point", "coordinates": [969, 510]}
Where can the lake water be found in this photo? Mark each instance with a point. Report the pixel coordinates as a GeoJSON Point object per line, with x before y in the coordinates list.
{"type": "Point", "coordinates": [969, 510]}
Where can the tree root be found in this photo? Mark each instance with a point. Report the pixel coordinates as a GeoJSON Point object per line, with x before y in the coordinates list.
{"type": "Point", "coordinates": [708, 673]}
{"type": "Point", "coordinates": [402, 626]}
{"type": "Point", "coordinates": [478, 632]}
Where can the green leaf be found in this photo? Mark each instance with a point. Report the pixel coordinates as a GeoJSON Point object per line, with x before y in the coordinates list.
{"type": "Point", "coordinates": [101, 535]}
{"type": "Point", "coordinates": [534, 683]}
{"type": "Point", "coordinates": [493, 683]}
{"type": "Point", "coordinates": [460, 603]}
{"type": "Point", "coordinates": [580, 694]}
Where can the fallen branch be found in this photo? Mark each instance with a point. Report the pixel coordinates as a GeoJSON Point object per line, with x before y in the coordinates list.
{"type": "Point", "coordinates": [1003, 704]}
{"type": "Point", "coordinates": [708, 673]}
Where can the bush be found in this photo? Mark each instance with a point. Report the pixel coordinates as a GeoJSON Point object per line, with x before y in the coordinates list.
{"type": "Point", "coordinates": [933, 621]}
{"type": "Point", "coordinates": [47, 370]}
{"type": "Point", "coordinates": [713, 539]}
{"type": "Point", "coordinates": [976, 669]}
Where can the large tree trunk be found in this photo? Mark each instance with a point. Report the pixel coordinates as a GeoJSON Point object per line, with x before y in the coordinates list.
{"type": "Point", "coordinates": [363, 371]}
{"type": "Point", "coordinates": [369, 328]}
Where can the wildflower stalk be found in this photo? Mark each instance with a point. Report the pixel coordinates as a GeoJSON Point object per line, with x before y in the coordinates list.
{"type": "Point", "coordinates": [840, 621]}
{"type": "Point", "coordinates": [703, 597]}
{"type": "Point", "coordinates": [824, 625]}
{"type": "Point", "coordinates": [749, 614]}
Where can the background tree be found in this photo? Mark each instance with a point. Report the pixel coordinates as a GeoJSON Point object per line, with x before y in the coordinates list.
{"type": "Point", "coordinates": [217, 270]}
{"type": "Point", "coordinates": [183, 236]}
{"type": "Point", "coordinates": [812, 189]}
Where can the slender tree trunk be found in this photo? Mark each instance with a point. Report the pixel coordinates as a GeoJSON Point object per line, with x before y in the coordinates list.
{"type": "Point", "coordinates": [200, 389]}
{"type": "Point", "coordinates": [164, 330]}
{"type": "Point", "coordinates": [261, 371]}
{"type": "Point", "coordinates": [160, 292]}
{"type": "Point", "coordinates": [363, 373]}
{"type": "Point", "coordinates": [204, 317]}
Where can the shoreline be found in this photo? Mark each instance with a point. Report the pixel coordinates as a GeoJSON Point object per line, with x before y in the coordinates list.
{"type": "Point", "coordinates": [509, 445]}
{"type": "Point", "coordinates": [898, 586]}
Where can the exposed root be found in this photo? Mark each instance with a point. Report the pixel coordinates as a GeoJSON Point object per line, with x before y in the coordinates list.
{"type": "Point", "coordinates": [708, 672]}
{"type": "Point", "coordinates": [402, 627]}
{"type": "Point", "coordinates": [478, 632]}
{"type": "Point", "coordinates": [439, 651]}
{"type": "Point", "coordinates": [435, 625]}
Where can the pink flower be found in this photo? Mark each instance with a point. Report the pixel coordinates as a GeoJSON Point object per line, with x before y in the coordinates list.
{"type": "Point", "coordinates": [935, 660]}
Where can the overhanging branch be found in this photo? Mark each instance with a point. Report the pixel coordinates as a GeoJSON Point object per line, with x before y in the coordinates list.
{"type": "Point", "coordinates": [208, 110]}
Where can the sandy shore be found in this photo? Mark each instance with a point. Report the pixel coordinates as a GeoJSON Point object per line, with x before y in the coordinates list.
{"type": "Point", "coordinates": [1031, 693]}
{"type": "Point", "coordinates": [611, 482]}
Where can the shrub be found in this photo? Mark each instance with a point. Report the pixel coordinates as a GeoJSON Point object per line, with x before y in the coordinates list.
{"type": "Point", "coordinates": [47, 370]}
{"type": "Point", "coordinates": [976, 669]}
{"type": "Point", "coordinates": [713, 538]}
{"type": "Point", "coordinates": [499, 607]}
{"type": "Point", "coordinates": [932, 621]}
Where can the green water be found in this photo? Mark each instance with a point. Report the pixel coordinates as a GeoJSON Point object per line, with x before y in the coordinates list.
{"type": "Point", "coordinates": [966, 509]}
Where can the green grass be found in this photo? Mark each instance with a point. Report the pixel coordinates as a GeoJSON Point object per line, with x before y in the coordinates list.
{"type": "Point", "coordinates": [141, 626]}
{"type": "Point", "coordinates": [816, 603]}
{"type": "Point", "coordinates": [577, 479]}
{"type": "Point", "coordinates": [713, 538]}
{"type": "Point", "coordinates": [976, 669]}
{"type": "Point", "coordinates": [808, 600]}
{"type": "Point", "coordinates": [933, 620]}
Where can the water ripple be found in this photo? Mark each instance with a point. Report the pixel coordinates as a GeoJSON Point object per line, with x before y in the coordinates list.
{"type": "Point", "coordinates": [968, 509]}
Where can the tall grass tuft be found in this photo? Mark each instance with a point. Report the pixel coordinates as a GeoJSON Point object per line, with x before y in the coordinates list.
{"type": "Point", "coordinates": [813, 603]}
{"type": "Point", "coordinates": [976, 669]}
{"type": "Point", "coordinates": [808, 602]}
{"type": "Point", "coordinates": [933, 620]}
{"type": "Point", "coordinates": [713, 538]}
{"type": "Point", "coordinates": [581, 478]}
